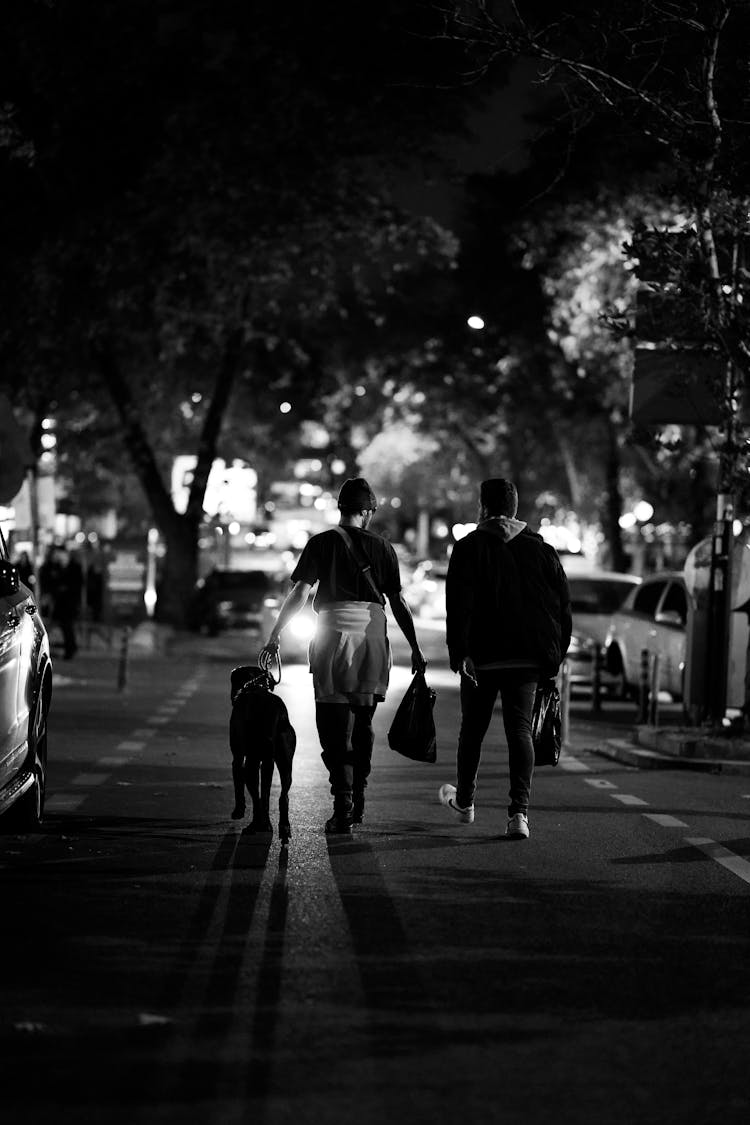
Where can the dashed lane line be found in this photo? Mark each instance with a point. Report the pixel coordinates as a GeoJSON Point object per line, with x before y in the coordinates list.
{"type": "Point", "coordinates": [67, 801]}
{"type": "Point", "coordinates": [573, 765]}
{"type": "Point", "coordinates": [734, 863]}
{"type": "Point", "coordinates": [88, 779]}
{"type": "Point", "coordinates": [715, 851]}
{"type": "Point", "coordinates": [64, 802]}
{"type": "Point", "coordinates": [628, 799]}
{"type": "Point", "coordinates": [665, 820]}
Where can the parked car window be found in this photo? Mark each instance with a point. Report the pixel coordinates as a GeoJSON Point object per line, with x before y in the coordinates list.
{"type": "Point", "coordinates": [675, 600]}
{"type": "Point", "coordinates": [647, 597]}
{"type": "Point", "coordinates": [597, 595]}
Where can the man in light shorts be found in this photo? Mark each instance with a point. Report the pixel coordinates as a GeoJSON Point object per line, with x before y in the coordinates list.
{"type": "Point", "coordinates": [356, 570]}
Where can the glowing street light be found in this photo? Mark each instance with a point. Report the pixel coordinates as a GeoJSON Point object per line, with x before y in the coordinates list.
{"type": "Point", "coordinates": [475, 322]}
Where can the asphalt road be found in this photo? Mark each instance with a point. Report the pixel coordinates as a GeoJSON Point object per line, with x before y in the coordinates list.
{"type": "Point", "coordinates": [160, 967]}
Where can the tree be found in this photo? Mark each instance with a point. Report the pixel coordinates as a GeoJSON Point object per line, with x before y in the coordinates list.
{"type": "Point", "coordinates": [208, 195]}
{"type": "Point", "coordinates": [672, 80]}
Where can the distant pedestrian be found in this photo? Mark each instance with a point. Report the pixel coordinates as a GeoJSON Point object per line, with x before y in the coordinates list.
{"type": "Point", "coordinates": [66, 600]}
{"type": "Point", "coordinates": [508, 626]}
{"type": "Point", "coordinates": [25, 569]}
{"type": "Point", "coordinates": [350, 656]}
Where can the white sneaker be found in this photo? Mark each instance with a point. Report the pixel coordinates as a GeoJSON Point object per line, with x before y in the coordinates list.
{"type": "Point", "coordinates": [447, 797]}
{"type": "Point", "coordinates": [518, 827]}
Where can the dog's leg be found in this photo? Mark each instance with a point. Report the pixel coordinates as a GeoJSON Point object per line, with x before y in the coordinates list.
{"type": "Point", "coordinates": [238, 773]}
{"type": "Point", "coordinates": [261, 821]}
{"type": "Point", "coordinates": [285, 828]}
{"type": "Point", "coordinates": [238, 777]}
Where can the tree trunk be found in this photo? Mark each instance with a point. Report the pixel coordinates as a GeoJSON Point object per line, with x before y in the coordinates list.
{"type": "Point", "coordinates": [177, 580]}
{"type": "Point", "coordinates": [180, 532]}
{"type": "Point", "coordinates": [618, 558]}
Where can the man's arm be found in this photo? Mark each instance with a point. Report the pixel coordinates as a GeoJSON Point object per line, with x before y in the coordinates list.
{"type": "Point", "coordinates": [405, 622]}
{"type": "Point", "coordinates": [459, 607]}
{"type": "Point", "coordinates": [292, 604]}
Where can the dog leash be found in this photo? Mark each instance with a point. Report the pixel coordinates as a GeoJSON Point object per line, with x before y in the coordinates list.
{"type": "Point", "coordinates": [266, 662]}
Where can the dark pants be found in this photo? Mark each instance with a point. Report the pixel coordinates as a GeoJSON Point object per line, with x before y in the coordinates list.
{"type": "Point", "coordinates": [517, 688]}
{"type": "Point", "coordinates": [347, 738]}
{"type": "Point", "coordinates": [68, 630]}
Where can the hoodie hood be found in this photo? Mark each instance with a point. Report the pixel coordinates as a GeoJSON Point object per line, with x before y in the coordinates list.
{"type": "Point", "coordinates": [502, 527]}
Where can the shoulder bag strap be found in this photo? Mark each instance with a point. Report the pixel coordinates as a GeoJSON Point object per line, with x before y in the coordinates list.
{"type": "Point", "coordinates": [363, 565]}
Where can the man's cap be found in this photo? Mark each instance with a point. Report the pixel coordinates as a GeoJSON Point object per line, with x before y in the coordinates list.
{"type": "Point", "coordinates": [356, 494]}
{"type": "Point", "coordinates": [499, 496]}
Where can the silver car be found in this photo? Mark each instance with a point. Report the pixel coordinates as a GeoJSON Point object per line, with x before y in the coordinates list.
{"type": "Point", "coordinates": [25, 693]}
{"type": "Point", "coordinates": [594, 597]}
{"type": "Point", "coordinates": [652, 619]}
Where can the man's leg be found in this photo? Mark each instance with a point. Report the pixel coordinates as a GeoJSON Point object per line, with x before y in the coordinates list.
{"type": "Point", "coordinates": [476, 714]}
{"type": "Point", "coordinates": [363, 740]}
{"type": "Point", "coordinates": [517, 691]}
{"type": "Point", "coordinates": [333, 721]}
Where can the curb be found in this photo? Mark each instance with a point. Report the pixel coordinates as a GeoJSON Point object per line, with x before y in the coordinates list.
{"type": "Point", "coordinates": [621, 750]}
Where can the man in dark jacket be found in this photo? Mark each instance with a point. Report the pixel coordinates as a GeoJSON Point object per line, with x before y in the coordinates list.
{"type": "Point", "coordinates": [508, 627]}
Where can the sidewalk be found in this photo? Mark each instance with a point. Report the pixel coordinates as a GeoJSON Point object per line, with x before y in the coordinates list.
{"type": "Point", "coordinates": [670, 747]}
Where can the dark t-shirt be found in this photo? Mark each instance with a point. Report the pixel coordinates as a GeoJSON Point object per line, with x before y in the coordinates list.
{"type": "Point", "coordinates": [326, 560]}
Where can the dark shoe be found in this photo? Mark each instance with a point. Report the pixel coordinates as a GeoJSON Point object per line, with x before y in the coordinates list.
{"type": "Point", "coordinates": [358, 808]}
{"type": "Point", "coordinates": [238, 811]}
{"type": "Point", "coordinates": [339, 826]}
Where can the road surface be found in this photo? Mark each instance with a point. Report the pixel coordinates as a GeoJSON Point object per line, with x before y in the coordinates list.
{"type": "Point", "coordinates": [159, 967]}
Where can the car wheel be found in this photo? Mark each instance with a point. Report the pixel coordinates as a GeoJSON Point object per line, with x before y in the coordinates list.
{"type": "Point", "coordinates": [619, 688]}
{"type": "Point", "coordinates": [28, 812]}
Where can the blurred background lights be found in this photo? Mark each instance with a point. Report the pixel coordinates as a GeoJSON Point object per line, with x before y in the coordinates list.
{"type": "Point", "coordinates": [475, 322]}
{"type": "Point", "coordinates": [643, 511]}
{"type": "Point", "coordinates": [285, 407]}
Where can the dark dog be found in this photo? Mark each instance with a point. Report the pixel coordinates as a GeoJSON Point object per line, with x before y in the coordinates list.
{"type": "Point", "coordinates": [260, 736]}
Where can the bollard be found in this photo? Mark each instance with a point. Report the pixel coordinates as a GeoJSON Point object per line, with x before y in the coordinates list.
{"type": "Point", "coordinates": [122, 667]}
{"type": "Point", "coordinates": [653, 709]}
{"type": "Point", "coordinates": [564, 689]}
{"type": "Point", "coordinates": [596, 679]}
{"type": "Point", "coordinates": [643, 684]}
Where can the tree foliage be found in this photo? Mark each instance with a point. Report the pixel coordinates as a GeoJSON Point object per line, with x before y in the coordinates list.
{"type": "Point", "coordinates": [204, 202]}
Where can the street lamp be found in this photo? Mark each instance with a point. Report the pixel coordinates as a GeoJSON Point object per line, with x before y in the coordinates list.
{"type": "Point", "coordinates": [475, 322]}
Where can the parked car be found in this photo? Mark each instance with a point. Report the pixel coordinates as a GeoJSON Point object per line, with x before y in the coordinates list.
{"type": "Point", "coordinates": [234, 599]}
{"type": "Point", "coordinates": [594, 597]}
{"type": "Point", "coordinates": [25, 694]}
{"type": "Point", "coordinates": [653, 617]}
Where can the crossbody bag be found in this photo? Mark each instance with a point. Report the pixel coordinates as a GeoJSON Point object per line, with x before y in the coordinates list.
{"type": "Point", "coordinates": [363, 564]}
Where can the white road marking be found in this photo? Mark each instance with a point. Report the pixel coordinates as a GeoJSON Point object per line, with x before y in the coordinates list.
{"type": "Point", "coordinates": [112, 760]}
{"type": "Point", "coordinates": [157, 720]}
{"type": "Point", "coordinates": [63, 802]}
{"type": "Point", "coordinates": [572, 765]}
{"type": "Point", "coordinates": [168, 709]}
{"type": "Point", "coordinates": [600, 783]}
{"type": "Point", "coordinates": [734, 863]}
{"type": "Point", "coordinates": [665, 820]}
{"type": "Point", "coordinates": [130, 744]}
{"type": "Point", "coordinates": [627, 799]}
{"type": "Point", "coordinates": [142, 732]}
{"type": "Point", "coordinates": [89, 778]}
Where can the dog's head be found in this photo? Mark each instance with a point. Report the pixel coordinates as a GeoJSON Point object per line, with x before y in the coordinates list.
{"type": "Point", "coordinates": [247, 678]}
